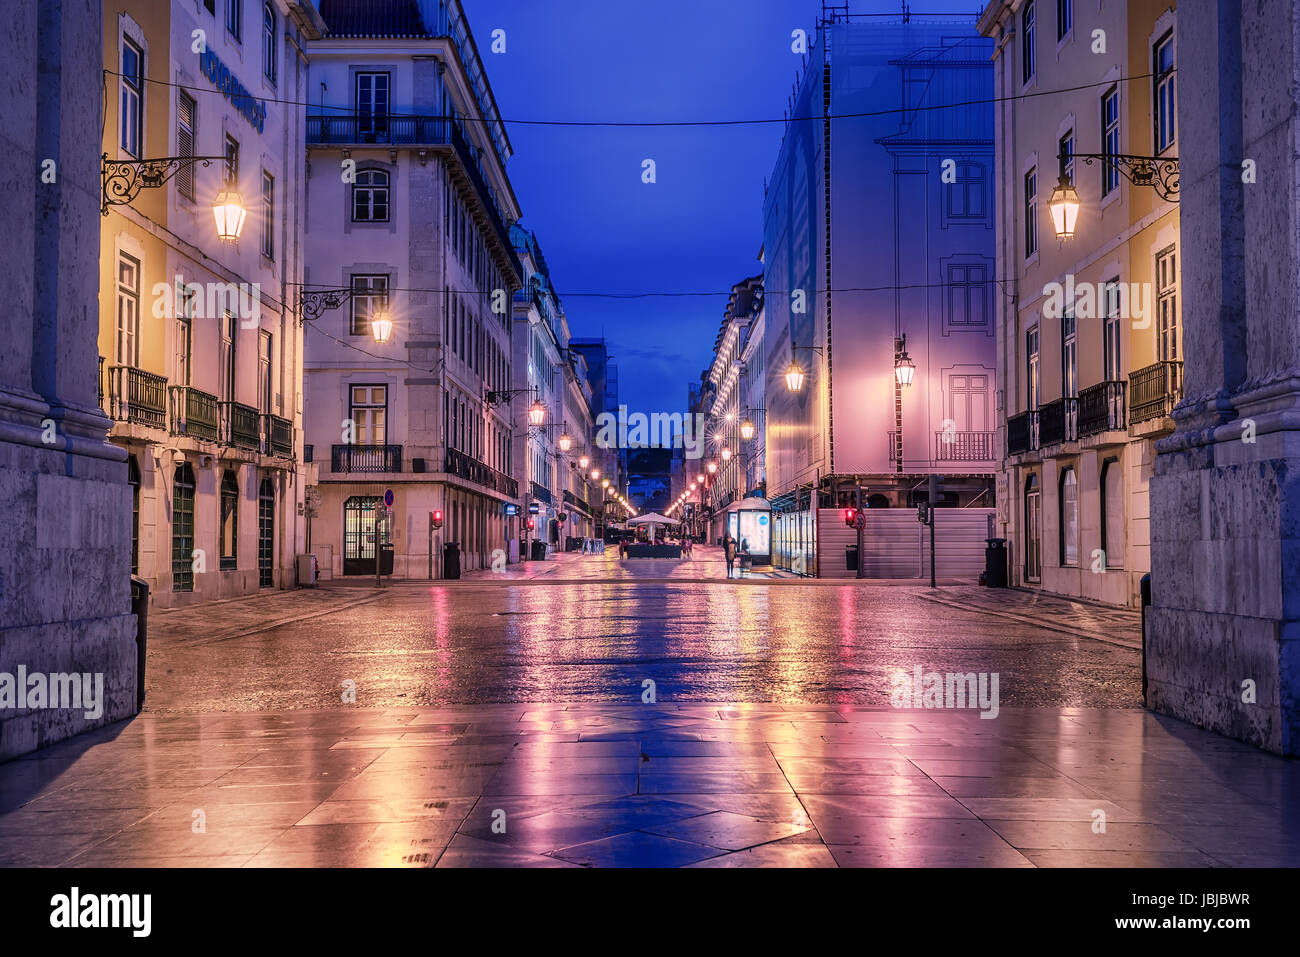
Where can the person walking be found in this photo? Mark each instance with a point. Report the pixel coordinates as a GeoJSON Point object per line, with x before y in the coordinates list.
{"type": "Point", "coordinates": [729, 547]}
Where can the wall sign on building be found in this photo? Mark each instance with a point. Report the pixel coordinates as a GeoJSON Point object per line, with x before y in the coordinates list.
{"type": "Point", "coordinates": [251, 108]}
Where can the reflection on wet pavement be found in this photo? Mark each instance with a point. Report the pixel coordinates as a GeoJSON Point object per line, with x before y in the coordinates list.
{"type": "Point", "coordinates": [664, 785]}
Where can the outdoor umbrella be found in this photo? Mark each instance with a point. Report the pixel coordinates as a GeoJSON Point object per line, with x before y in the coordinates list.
{"type": "Point", "coordinates": [652, 519]}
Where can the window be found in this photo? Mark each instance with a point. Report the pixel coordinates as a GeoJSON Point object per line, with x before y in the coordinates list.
{"type": "Point", "coordinates": [1064, 18]}
{"type": "Point", "coordinates": [232, 161]}
{"type": "Point", "coordinates": [268, 215]}
{"type": "Point", "coordinates": [226, 357]}
{"type": "Point", "coordinates": [183, 528]}
{"type": "Point", "coordinates": [1069, 355]}
{"type": "Point", "coordinates": [128, 311]}
{"type": "Point", "coordinates": [1031, 212]}
{"type": "Point", "coordinates": [370, 196]}
{"type": "Point", "coordinates": [132, 110]}
{"type": "Point", "coordinates": [1167, 305]}
{"type": "Point", "coordinates": [369, 296]}
{"type": "Point", "coordinates": [268, 42]}
{"type": "Point", "coordinates": [133, 479]}
{"type": "Point", "coordinates": [1032, 383]}
{"type": "Point", "coordinates": [185, 116]}
{"type": "Point", "coordinates": [372, 102]}
{"type": "Point", "coordinates": [1065, 148]}
{"type": "Point", "coordinates": [1109, 140]}
{"type": "Point", "coordinates": [966, 194]}
{"type": "Point", "coordinates": [1112, 513]}
{"type": "Point", "coordinates": [1027, 42]}
{"type": "Point", "coordinates": [185, 305]}
{"type": "Point", "coordinates": [234, 18]}
{"type": "Point", "coordinates": [1069, 518]}
{"type": "Point", "coordinates": [368, 410]}
{"type": "Point", "coordinates": [968, 295]}
{"type": "Point", "coordinates": [264, 371]}
{"type": "Point", "coordinates": [1111, 333]}
{"type": "Point", "coordinates": [1163, 72]}
{"type": "Point", "coordinates": [229, 524]}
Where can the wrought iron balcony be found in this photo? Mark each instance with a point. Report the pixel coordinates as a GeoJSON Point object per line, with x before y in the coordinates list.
{"type": "Point", "coordinates": [1058, 421]}
{"type": "Point", "coordinates": [239, 426]}
{"type": "Point", "coordinates": [366, 458]}
{"type": "Point", "coordinates": [194, 413]}
{"type": "Point", "coordinates": [469, 468]}
{"type": "Point", "coordinates": [1154, 391]}
{"type": "Point", "coordinates": [1101, 407]}
{"type": "Point", "coordinates": [137, 396]}
{"type": "Point", "coordinates": [962, 446]}
{"type": "Point", "coordinates": [1022, 433]}
{"type": "Point", "coordinates": [279, 434]}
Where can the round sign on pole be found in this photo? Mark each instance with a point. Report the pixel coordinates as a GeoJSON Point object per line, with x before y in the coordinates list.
{"type": "Point", "coordinates": [388, 498]}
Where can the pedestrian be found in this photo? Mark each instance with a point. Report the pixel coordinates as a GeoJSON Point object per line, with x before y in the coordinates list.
{"type": "Point", "coordinates": [744, 556]}
{"type": "Point", "coordinates": [729, 547]}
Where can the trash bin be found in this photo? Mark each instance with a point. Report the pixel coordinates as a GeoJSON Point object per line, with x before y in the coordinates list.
{"type": "Point", "coordinates": [539, 550]}
{"type": "Point", "coordinates": [851, 557]}
{"type": "Point", "coordinates": [995, 562]}
{"type": "Point", "coordinates": [451, 560]}
{"type": "Point", "coordinates": [386, 558]}
{"type": "Point", "coordinates": [140, 608]}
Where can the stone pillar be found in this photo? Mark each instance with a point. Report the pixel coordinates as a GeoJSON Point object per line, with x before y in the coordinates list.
{"type": "Point", "coordinates": [65, 542]}
{"type": "Point", "coordinates": [1223, 633]}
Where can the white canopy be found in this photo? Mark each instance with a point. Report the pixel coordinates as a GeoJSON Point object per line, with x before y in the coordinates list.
{"type": "Point", "coordinates": [653, 519]}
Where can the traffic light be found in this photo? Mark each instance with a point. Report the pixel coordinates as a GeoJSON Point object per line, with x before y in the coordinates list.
{"type": "Point", "coordinates": [849, 516]}
{"type": "Point", "coordinates": [531, 524]}
{"type": "Point", "coordinates": [435, 518]}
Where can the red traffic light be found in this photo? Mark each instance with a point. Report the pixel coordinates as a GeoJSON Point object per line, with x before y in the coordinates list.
{"type": "Point", "coordinates": [849, 516]}
{"type": "Point", "coordinates": [435, 518]}
{"type": "Point", "coordinates": [531, 525]}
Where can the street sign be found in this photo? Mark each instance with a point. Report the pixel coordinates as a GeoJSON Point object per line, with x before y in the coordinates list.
{"type": "Point", "coordinates": [512, 508]}
{"type": "Point", "coordinates": [388, 498]}
{"type": "Point", "coordinates": [534, 508]}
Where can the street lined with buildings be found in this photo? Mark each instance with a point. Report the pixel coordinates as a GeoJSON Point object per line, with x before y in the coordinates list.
{"type": "Point", "coordinates": [975, 523]}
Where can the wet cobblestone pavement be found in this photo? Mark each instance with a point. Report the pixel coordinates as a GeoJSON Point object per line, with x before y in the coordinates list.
{"type": "Point", "coordinates": [718, 785]}
{"type": "Point", "coordinates": [591, 628]}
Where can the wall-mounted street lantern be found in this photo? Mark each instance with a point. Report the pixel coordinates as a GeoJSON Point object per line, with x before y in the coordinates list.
{"type": "Point", "coordinates": [712, 467]}
{"type": "Point", "coordinates": [747, 430]}
{"type": "Point", "coordinates": [904, 367]}
{"type": "Point", "coordinates": [583, 462]}
{"type": "Point", "coordinates": [537, 413]}
{"type": "Point", "coordinates": [230, 213]}
{"type": "Point", "coordinates": [566, 442]}
{"type": "Point", "coordinates": [381, 327]}
{"type": "Point", "coordinates": [1156, 172]}
{"type": "Point", "coordinates": [726, 454]}
{"type": "Point", "coordinates": [794, 374]}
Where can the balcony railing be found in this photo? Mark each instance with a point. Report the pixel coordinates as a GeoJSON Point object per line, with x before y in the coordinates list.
{"type": "Point", "coordinates": [194, 413]}
{"type": "Point", "coordinates": [366, 458]}
{"type": "Point", "coordinates": [1022, 433]}
{"type": "Point", "coordinates": [1101, 407]}
{"type": "Point", "coordinates": [962, 446]}
{"type": "Point", "coordinates": [395, 130]}
{"type": "Point", "coordinates": [1154, 391]}
{"type": "Point", "coordinates": [1058, 421]}
{"type": "Point", "coordinates": [541, 493]}
{"type": "Point", "coordinates": [239, 426]}
{"type": "Point", "coordinates": [99, 382]}
{"type": "Point", "coordinates": [137, 396]}
{"type": "Point", "coordinates": [480, 473]}
{"type": "Point", "coordinates": [278, 433]}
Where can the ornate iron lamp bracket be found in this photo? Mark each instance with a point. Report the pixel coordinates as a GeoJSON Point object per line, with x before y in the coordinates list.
{"type": "Point", "coordinates": [123, 179]}
{"type": "Point", "coordinates": [312, 304]}
{"type": "Point", "coordinates": [1158, 172]}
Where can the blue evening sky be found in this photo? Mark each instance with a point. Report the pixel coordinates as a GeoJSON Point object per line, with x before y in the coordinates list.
{"type": "Point", "coordinates": [699, 227]}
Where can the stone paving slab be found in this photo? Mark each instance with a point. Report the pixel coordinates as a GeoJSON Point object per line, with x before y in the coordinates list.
{"type": "Point", "coordinates": [761, 786]}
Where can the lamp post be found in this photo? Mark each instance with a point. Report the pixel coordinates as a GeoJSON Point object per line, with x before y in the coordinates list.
{"type": "Point", "coordinates": [904, 371]}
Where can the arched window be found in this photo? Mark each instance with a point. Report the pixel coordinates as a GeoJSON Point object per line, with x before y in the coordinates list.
{"type": "Point", "coordinates": [268, 42]}
{"type": "Point", "coordinates": [1033, 529]}
{"type": "Point", "coordinates": [133, 479]}
{"type": "Point", "coordinates": [1069, 505]}
{"type": "Point", "coordinates": [229, 525]}
{"type": "Point", "coordinates": [370, 196]}
{"type": "Point", "coordinates": [266, 534]}
{"type": "Point", "coordinates": [183, 528]}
